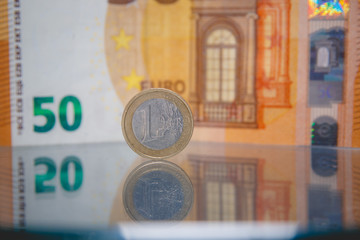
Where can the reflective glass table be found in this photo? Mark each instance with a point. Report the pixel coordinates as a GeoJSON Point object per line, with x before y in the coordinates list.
{"type": "Point", "coordinates": [209, 190]}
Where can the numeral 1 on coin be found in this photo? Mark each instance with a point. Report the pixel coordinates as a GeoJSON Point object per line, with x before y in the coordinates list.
{"type": "Point", "coordinates": [146, 117]}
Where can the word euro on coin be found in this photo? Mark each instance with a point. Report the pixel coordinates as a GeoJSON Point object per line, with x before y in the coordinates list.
{"type": "Point", "coordinates": [158, 191]}
{"type": "Point", "coordinates": [157, 123]}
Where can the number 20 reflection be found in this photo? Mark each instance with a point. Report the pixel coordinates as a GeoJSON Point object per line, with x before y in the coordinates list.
{"type": "Point", "coordinates": [41, 179]}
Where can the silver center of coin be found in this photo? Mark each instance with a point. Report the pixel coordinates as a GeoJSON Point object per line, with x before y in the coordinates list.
{"type": "Point", "coordinates": [157, 123]}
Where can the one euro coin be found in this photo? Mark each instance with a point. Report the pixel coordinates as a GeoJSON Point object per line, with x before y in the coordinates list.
{"type": "Point", "coordinates": [157, 123]}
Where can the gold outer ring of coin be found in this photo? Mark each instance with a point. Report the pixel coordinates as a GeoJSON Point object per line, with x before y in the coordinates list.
{"type": "Point", "coordinates": [135, 102]}
{"type": "Point", "coordinates": [158, 165]}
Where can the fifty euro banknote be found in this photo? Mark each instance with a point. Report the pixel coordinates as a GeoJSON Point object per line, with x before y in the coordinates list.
{"type": "Point", "coordinates": [264, 72]}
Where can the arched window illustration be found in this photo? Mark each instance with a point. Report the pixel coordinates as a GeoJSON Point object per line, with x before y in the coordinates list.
{"type": "Point", "coordinates": [226, 190]}
{"type": "Point", "coordinates": [231, 189]}
{"type": "Point", "coordinates": [220, 64]}
{"type": "Point", "coordinates": [323, 57]}
{"type": "Point", "coordinates": [223, 89]}
{"type": "Point", "coordinates": [223, 78]}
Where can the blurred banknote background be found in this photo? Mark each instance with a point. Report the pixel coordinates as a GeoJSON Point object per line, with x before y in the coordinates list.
{"type": "Point", "coordinates": [265, 71]}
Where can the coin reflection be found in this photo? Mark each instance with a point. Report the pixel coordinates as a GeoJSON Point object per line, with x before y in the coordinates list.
{"type": "Point", "coordinates": [158, 190]}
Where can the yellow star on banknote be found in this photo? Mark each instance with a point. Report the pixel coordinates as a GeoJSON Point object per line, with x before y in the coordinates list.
{"type": "Point", "coordinates": [122, 40]}
{"type": "Point", "coordinates": [133, 80]}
